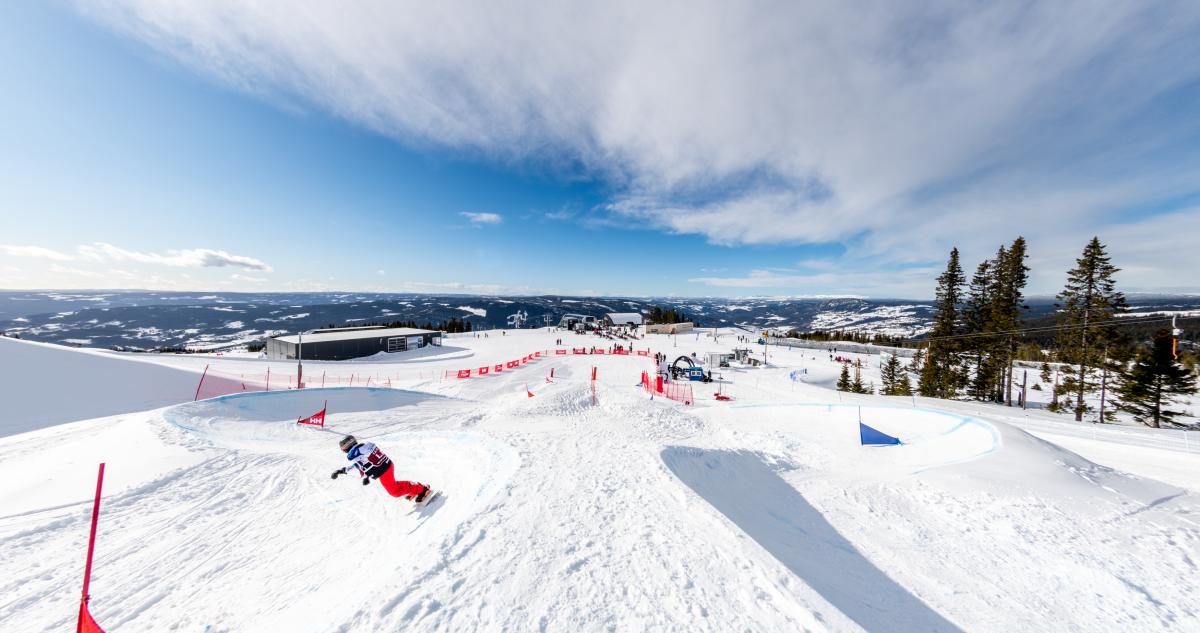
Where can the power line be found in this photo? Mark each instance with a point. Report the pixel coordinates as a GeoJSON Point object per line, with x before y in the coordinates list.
{"type": "Point", "coordinates": [1063, 327]}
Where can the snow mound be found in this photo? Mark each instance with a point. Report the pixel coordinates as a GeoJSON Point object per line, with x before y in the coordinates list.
{"type": "Point", "coordinates": [46, 384]}
{"type": "Point", "coordinates": [744, 488]}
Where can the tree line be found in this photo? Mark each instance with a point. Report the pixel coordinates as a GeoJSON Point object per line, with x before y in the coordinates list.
{"type": "Point", "coordinates": [452, 326]}
{"type": "Point", "coordinates": [658, 314]}
{"type": "Point", "coordinates": [978, 333]}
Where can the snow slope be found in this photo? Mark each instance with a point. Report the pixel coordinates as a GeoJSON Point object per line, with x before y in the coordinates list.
{"type": "Point", "coordinates": [629, 514]}
{"type": "Point", "coordinates": [48, 384]}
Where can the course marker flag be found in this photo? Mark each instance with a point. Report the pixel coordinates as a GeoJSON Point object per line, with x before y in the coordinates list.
{"type": "Point", "coordinates": [873, 437]}
{"type": "Point", "coordinates": [316, 419]}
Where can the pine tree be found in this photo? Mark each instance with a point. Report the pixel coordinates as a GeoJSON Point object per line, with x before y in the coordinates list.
{"type": "Point", "coordinates": [1007, 303]}
{"type": "Point", "coordinates": [843, 383]}
{"type": "Point", "coordinates": [977, 319]}
{"type": "Point", "coordinates": [1153, 383]}
{"type": "Point", "coordinates": [941, 376]}
{"type": "Point", "coordinates": [857, 386]}
{"type": "Point", "coordinates": [1045, 375]}
{"type": "Point", "coordinates": [1089, 298]}
{"type": "Point", "coordinates": [904, 386]}
{"type": "Point", "coordinates": [890, 376]}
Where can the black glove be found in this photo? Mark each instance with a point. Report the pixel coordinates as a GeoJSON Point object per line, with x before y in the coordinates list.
{"type": "Point", "coordinates": [336, 473]}
{"type": "Point", "coordinates": [366, 480]}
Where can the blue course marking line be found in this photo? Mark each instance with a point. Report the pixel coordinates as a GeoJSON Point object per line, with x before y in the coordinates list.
{"type": "Point", "coordinates": [997, 441]}
{"type": "Point", "coordinates": [171, 414]}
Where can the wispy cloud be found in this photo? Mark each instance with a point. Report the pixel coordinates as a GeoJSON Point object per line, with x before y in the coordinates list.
{"type": "Point", "coordinates": [898, 128]}
{"type": "Point", "coordinates": [480, 219]}
{"type": "Point", "coordinates": [34, 251]}
{"type": "Point", "coordinates": [189, 258]}
{"type": "Point", "coordinates": [914, 282]}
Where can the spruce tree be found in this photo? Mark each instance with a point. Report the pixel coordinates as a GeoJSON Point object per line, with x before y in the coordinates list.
{"type": "Point", "coordinates": [1153, 383]}
{"type": "Point", "coordinates": [857, 386]}
{"type": "Point", "coordinates": [889, 375]}
{"type": "Point", "coordinates": [843, 383]}
{"type": "Point", "coordinates": [903, 385]}
{"type": "Point", "coordinates": [941, 375]}
{"type": "Point", "coordinates": [1011, 276]}
{"type": "Point", "coordinates": [977, 319]}
{"type": "Point", "coordinates": [1088, 303]}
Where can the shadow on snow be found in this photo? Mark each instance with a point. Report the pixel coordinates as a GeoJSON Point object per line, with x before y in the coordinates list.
{"type": "Point", "coordinates": [773, 513]}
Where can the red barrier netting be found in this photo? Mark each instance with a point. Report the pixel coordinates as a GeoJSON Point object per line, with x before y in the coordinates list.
{"type": "Point", "coordinates": [660, 386]}
{"type": "Point", "coordinates": [213, 384]}
{"type": "Point", "coordinates": [513, 364]}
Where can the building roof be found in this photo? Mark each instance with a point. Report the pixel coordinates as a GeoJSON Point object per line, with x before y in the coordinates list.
{"type": "Point", "coordinates": [356, 334]}
{"type": "Point", "coordinates": [624, 317]}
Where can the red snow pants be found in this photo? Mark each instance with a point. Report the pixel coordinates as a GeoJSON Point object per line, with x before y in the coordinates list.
{"type": "Point", "coordinates": [398, 488]}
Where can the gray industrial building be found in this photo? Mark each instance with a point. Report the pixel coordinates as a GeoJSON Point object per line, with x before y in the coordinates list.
{"type": "Point", "coordinates": [346, 343]}
{"type": "Point", "coordinates": [627, 319]}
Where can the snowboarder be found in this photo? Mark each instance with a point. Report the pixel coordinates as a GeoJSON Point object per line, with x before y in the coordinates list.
{"type": "Point", "coordinates": [371, 463]}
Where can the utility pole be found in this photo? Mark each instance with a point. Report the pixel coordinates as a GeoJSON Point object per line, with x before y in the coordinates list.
{"type": "Point", "coordinates": [1083, 359]}
{"type": "Point", "coordinates": [1010, 371]}
{"type": "Point", "coordinates": [299, 362]}
{"type": "Point", "coordinates": [1103, 382]}
{"type": "Point", "coordinates": [1024, 392]}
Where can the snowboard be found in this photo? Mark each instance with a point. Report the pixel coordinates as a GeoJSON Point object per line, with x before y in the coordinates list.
{"type": "Point", "coordinates": [433, 494]}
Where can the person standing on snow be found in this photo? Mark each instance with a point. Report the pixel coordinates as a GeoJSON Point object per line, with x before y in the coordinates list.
{"type": "Point", "coordinates": [371, 463]}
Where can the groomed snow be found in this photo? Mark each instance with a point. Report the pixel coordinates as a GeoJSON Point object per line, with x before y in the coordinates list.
{"type": "Point", "coordinates": [629, 514]}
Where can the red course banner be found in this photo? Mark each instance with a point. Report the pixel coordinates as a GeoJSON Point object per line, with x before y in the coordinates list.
{"type": "Point", "coordinates": [560, 352]}
{"type": "Point", "coordinates": [482, 370]}
{"type": "Point", "coordinates": [513, 363]}
{"type": "Point", "coordinates": [499, 368]}
{"type": "Point", "coordinates": [464, 373]}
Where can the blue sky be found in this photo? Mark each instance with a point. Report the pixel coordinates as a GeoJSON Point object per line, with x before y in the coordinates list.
{"type": "Point", "coordinates": [234, 146]}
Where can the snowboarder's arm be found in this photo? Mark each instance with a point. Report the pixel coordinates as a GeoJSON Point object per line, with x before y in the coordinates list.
{"type": "Point", "coordinates": [345, 470]}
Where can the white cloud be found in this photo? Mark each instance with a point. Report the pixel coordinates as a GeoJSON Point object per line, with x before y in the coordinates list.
{"type": "Point", "coordinates": [914, 282]}
{"type": "Point", "coordinates": [100, 251]}
{"type": "Point", "coordinates": [897, 128]}
{"type": "Point", "coordinates": [482, 218]}
{"type": "Point", "coordinates": [34, 251]}
{"type": "Point", "coordinates": [189, 258]}
{"type": "Point", "coordinates": [247, 278]}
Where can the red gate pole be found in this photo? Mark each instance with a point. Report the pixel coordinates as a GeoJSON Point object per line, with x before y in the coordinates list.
{"type": "Point", "coordinates": [201, 383]}
{"type": "Point", "coordinates": [87, 570]}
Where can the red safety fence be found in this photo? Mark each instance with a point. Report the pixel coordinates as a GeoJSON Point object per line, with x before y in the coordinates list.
{"type": "Point", "coordinates": [494, 369]}
{"type": "Point", "coordinates": [215, 383]}
{"type": "Point", "coordinates": [514, 364]}
{"type": "Point", "coordinates": [660, 386]}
